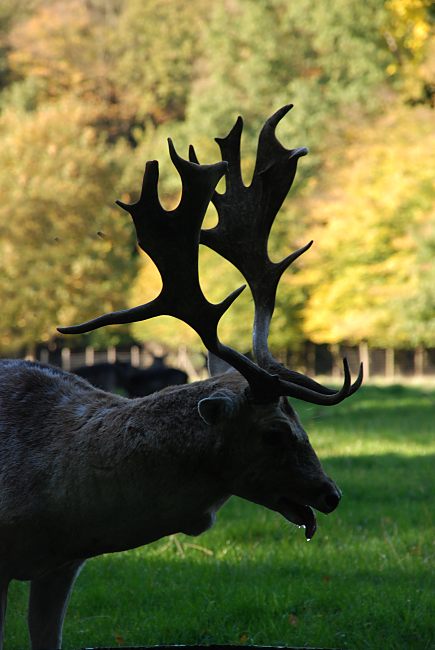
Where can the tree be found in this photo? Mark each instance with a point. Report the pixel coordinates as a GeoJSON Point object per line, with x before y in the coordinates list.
{"type": "Point", "coordinates": [369, 276]}
{"type": "Point", "coordinates": [63, 248]}
{"type": "Point", "coordinates": [134, 60]}
{"type": "Point", "coordinates": [162, 40]}
{"type": "Point", "coordinates": [132, 72]}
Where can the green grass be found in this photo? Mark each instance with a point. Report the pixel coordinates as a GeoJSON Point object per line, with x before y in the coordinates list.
{"type": "Point", "coordinates": [366, 580]}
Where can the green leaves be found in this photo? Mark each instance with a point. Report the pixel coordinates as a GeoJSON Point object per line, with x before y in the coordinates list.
{"type": "Point", "coordinates": [57, 180]}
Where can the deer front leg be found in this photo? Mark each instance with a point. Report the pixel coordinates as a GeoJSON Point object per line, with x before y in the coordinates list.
{"type": "Point", "coordinates": [48, 601]}
{"type": "Point", "coordinates": [4, 584]}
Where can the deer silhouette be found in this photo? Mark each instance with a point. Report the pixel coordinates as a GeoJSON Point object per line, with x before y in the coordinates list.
{"type": "Point", "coordinates": [85, 472]}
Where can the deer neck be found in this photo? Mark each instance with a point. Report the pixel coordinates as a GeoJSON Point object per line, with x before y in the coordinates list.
{"type": "Point", "coordinates": [152, 467]}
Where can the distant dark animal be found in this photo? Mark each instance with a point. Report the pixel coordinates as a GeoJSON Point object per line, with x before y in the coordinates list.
{"type": "Point", "coordinates": [121, 377]}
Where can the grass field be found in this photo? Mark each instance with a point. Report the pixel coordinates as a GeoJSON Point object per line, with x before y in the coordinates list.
{"type": "Point", "coordinates": [366, 580]}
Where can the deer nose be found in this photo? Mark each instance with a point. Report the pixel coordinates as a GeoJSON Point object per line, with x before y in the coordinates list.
{"type": "Point", "coordinates": [330, 499]}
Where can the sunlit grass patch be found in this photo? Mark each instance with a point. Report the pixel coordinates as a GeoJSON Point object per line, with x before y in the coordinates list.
{"type": "Point", "coordinates": [376, 420]}
{"type": "Point", "coordinates": [366, 580]}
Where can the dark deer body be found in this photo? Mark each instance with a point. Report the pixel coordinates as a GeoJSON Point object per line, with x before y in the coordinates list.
{"type": "Point", "coordinates": [131, 381]}
{"type": "Point", "coordinates": [159, 467]}
{"type": "Point", "coordinates": [84, 472]}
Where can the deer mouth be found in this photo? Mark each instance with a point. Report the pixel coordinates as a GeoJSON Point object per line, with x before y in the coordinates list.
{"type": "Point", "coordinates": [301, 515]}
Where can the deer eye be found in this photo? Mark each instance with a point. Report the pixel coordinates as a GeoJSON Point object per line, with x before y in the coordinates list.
{"type": "Point", "coordinates": [273, 437]}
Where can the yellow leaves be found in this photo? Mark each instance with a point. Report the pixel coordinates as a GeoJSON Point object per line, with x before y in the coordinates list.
{"type": "Point", "coordinates": [409, 22]}
{"type": "Point", "coordinates": [149, 282]}
{"type": "Point", "coordinates": [408, 33]}
{"type": "Point", "coordinates": [146, 287]}
{"type": "Point", "coordinates": [218, 279]}
{"type": "Point", "coordinates": [50, 42]}
{"type": "Point", "coordinates": [369, 229]}
{"type": "Point", "coordinates": [55, 193]}
{"type": "Point", "coordinates": [52, 149]}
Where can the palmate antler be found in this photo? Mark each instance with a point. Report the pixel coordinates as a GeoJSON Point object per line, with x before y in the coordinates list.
{"type": "Point", "coordinates": [246, 215]}
{"type": "Point", "coordinates": [171, 238]}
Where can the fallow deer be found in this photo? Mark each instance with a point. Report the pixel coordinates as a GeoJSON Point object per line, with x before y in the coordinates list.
{"type": "Point", "coordinates": [123, 378]}
{"type": "Point", "coordinates": [84, 472]}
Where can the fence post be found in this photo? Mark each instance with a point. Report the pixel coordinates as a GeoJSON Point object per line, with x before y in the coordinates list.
{"type": "Point", "coordinates": [111, 354]}
{"type": "Point", "coordinates": [336, 367]}
{"type": "Point", "coordinates": [89, 356]}
{"type": "Point", "coordinates": [365, 357]}
{"type": "Point", "coordinates": [135, 356]}
{"type": "Point", "coordinates": [66, 358]}
{"type": "Point", "coordinates": [419, 358]}
{"type": "Point", "coordinates": [146, 357]}
{"type": "Point", "coordinates": [389, 362]}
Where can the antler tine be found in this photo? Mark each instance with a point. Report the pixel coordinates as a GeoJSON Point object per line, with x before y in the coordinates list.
{"type": "Point", "coordinates": [246, 216]}
{"type": "Point", "coordinates": [264, 292]}
{"type": "Point", "coordinates": [171, 239]}
{"type": "Point", "coordinates": [230, 150]}
{"type": "Point", "coordinates": [359, 380]}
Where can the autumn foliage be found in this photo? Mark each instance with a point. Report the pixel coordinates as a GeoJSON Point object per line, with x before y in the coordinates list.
{"type": "Point", "coordinates": [90, 89]}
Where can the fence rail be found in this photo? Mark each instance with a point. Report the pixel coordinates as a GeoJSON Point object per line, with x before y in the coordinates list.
{"type": "Point", "coordinates": [312, 359]}
{"type": "Point", "coordinates": [140, 356]}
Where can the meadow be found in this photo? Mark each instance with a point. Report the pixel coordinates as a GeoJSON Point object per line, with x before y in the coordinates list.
{"type": "Point", "coordinates": [365, 581]}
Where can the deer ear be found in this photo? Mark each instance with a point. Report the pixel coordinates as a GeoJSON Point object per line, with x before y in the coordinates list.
{"type": "Point", "coordinates": [216, 408]}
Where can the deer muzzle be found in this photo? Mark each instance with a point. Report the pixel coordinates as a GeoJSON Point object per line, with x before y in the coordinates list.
{"type": "Point", "coordinates": [302, 514]}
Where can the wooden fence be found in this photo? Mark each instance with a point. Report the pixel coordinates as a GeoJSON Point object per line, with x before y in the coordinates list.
{"type": "Point", "coordinates": [312, 359]}
{"type": "Point", "coordinates": [139, 356]}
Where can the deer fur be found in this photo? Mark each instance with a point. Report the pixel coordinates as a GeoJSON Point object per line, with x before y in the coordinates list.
{"type": "Point", "coordinates": [84, 472]}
